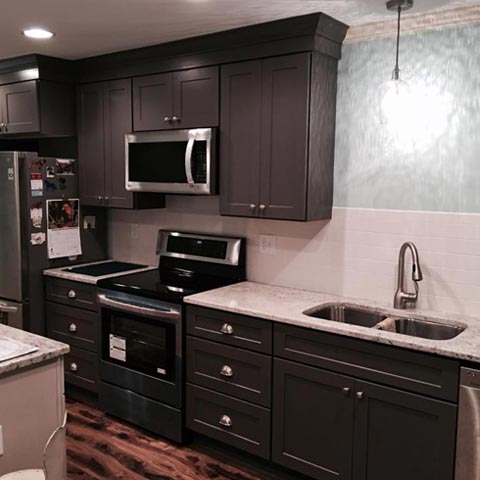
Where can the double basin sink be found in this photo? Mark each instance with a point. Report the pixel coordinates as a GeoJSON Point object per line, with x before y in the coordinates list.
{"type": "Point", "coordinates": [364, 317]}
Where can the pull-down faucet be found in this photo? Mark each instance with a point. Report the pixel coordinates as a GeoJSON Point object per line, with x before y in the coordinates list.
{"type": "Point", "coordinates": [403, 298]}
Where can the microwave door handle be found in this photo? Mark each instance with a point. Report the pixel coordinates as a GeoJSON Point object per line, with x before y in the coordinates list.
{"type": "Point", "coordinates": [188, 159]}
{"type": "Point", "coordinates": [135, 309]}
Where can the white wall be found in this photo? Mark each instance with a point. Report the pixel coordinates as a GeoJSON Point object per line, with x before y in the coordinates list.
{"type": "Point", "coordinates": [355, 254]}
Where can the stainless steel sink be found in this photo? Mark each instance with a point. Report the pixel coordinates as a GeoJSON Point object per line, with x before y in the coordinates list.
{"type": "Point", "coordinates": [426, 329]}
{"type": "Point", "coordinates": [348, 314]}
{"type": "Point", "coordinates": [363, 317]}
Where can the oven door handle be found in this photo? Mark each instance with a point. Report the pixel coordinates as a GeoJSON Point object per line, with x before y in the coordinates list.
{"type": "Point", "coordinates": [188, 158]}
{"type": "Point", "coordinates": [135, 309]}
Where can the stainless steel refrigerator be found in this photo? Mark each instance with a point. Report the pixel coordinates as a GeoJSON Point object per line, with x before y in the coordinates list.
{"type": "Point", "coordinates": [27, 181]}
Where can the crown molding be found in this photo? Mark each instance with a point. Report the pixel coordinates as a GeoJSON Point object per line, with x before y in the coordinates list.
{"type": "Point", "coordinates": [412, 23]}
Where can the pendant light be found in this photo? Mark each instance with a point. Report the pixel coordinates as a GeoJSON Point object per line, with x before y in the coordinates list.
{"type": "Point", "coordinates": [395, 95]}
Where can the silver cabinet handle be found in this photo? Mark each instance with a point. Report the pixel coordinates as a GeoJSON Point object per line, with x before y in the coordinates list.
{"type": "Point", "coordinates": [72, 294]}
{"type": "Point", "coordinates": [167, 119]}
{"type": "Point", "coordinates": [7, 309]}
{"type": "Point", "coordinates": [360, 395]}
{"type": "Point", "coordinates": [72, 328]}
{"type": "Point", "coordinates": [253, 206]}
{"type": "Point", "coordinates": [226, 371]}
{"type": "Point", "coordinates": [99, 198]}
{"type": "Point", "coordinates": [2, 125]}
{"type": "Point", "coordinates": [188, 158]}
{"type": "Point", "coordinates": [262, 206]}
{"type": "Point", "coordinates": [225, 421]}
{"type": "Point", "coordinates": [227, 329]}
{"type": "Point", "coordinates": [73, 367]}
{"type": "Point", "coordinates": [175, 119]}
{"type": "Point", "coordinates": [346, 391]}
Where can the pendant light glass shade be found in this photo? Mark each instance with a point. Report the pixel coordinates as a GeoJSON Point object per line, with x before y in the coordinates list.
{"type": "Point", "coordinates": [395, 94]}
{"type": "Point", "coordinates": [394, 102]}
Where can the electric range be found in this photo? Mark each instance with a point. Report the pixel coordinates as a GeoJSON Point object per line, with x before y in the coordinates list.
{"type": "Point", "coordinates": [142, 327]}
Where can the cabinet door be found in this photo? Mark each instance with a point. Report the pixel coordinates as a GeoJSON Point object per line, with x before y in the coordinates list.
{"type": "Point", "coordinates": [285, 108]}
{"type": "Point", "coordinates": [90, 127]}
{"type": "Point", "coordinates": [118, 122]}
{"type": "Point", "coordinates": [195, 98]}
{"type": "Point", "coordinates": [20, 111]}
{"type": "Point", "coordinates": [240, 134]}
{"type": "Point", "coordinates": [153, 102]}
{"type": "Point", "coordinates": [401, 435]}
{"type": "Point", "coordinates": [312, 421]}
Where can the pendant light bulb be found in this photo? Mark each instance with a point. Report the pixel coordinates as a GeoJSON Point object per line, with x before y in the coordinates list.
{"type": "Point", "coordinates": [395, 95]}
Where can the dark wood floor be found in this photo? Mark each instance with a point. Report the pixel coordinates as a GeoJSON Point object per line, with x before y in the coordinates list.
{"type": "Point", "coordinates": [100, 448]}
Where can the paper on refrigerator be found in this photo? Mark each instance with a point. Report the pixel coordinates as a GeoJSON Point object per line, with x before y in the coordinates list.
{"type": "Point", "coordinates": [63, 232]}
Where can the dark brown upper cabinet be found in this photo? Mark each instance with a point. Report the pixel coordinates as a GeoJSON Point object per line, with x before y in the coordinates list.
{"type": "Point", "coordinates": [183, 99]}
{"type": "Point", "coordinates": [104, 117]}
{"type": "Point", "coordinates": [277, 134]}
{"type": "Point", "coordinates": [38, 108]}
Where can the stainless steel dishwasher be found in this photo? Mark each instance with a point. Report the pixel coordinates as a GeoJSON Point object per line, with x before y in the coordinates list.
{"type": "Point", "coordinates": [468, 433]}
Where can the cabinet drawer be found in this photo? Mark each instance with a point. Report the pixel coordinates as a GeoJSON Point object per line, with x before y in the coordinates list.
{"type": "Point", "coordinates": [76, 294]}
{"type": "Point", "coordinates": [404, 369]}
{"type": "Point", "coordinates": [72, 325]}
{"type": "Point", "coordinates": [231, 329]}
{"type": "Point", "coordinates": [234, 422]}
{"type": "Point", "coordinates": [229, 370]}
{"type": "Point", "coordinates": [81, 369]}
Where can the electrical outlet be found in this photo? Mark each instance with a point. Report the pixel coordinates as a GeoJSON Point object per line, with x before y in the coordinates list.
{"type": "Point", "coordinates": [134, 231]}
{"type": "Point", "coordinates": [89, 222]}
{"type": "Point", "coordinates": [268, 244]}
{"type": "Point", "coordinates": [1, 440]}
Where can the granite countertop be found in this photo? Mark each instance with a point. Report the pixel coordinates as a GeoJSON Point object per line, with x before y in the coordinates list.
{"type": "Point", "coordinates": [77, 277]}
{"type": "Point", "coordinates": [46, 349]}
{"type": "Point", "coordinates": [286, 305]}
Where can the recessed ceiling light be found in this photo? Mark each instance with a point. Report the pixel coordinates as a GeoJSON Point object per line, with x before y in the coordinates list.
{"type": "Point", "coordinates": [37, 33]}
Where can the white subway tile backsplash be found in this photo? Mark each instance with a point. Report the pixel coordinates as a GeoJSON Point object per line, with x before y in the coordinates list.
{"type": "Point", "coordinates": [355, 254]}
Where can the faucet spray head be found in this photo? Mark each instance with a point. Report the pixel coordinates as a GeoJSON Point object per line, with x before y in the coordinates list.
{"type": "Point", "coordinates": [417, 275]}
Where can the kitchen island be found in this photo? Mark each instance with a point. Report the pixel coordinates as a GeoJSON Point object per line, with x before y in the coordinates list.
{"type": "Point", "coordinates": [32, 401]}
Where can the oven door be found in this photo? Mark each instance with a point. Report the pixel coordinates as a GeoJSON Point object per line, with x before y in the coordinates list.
{"type": "Point", "coordinates": [141, 346]}
{"type": "Point", "coordinates": [174, 161]}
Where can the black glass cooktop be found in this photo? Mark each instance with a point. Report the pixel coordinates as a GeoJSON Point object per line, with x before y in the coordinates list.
{"type": "Point", "coordinates": [104, 268]}
{"type": "Point", "coordinates": [173, 286]}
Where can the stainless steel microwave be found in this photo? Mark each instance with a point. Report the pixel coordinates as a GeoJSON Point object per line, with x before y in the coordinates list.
{"type": "Point", "coordinates": [171, 161]}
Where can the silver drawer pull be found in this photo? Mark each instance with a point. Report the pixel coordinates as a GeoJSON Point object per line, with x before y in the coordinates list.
{"type": "Point", "coordinates": [225, 421]}
{"type": "Point", "coordinates": [226, 371]}
{"type": "Point", "coordinates": [227, 329]}
{"type": "Point", "coordinates": [72, 327]}
{"type": "Point", "coordinates": [360, 395]}
{"type": "Point", "coordinates": [73, 367]}
{"type": "Point", "coordinates": [72, 294]}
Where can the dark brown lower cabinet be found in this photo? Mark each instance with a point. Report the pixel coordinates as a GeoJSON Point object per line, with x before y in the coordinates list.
{"type": "Point", "coordinates": [401, 435]}
{"type": "Point", "coordinates": [327, 426]}
{"type": "Point", "coordinates": [313, 420]}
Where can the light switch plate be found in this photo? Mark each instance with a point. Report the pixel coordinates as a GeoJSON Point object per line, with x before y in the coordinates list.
{"type": "Point", "coordinates": [1, 440]}
{"type": "Point", "coordinates": [134, 231]}
{"type": "Point", "coordinates": [268, 244]}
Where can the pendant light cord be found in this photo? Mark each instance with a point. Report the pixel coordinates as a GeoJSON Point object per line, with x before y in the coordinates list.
{"type": "Point", "coordinates": [396, 71]}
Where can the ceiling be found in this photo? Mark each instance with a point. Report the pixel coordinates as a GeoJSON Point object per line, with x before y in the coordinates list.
{"type": "Point", "coordinates": [90, 27]}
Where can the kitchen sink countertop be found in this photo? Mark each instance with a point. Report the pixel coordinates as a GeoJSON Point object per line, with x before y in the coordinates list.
{"type": "Point", "coordinates": [77, 277]}
{"type": "Point", "coordinates": [286, 305]}
{"type": "Point", "coordinates": [46, 349]}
